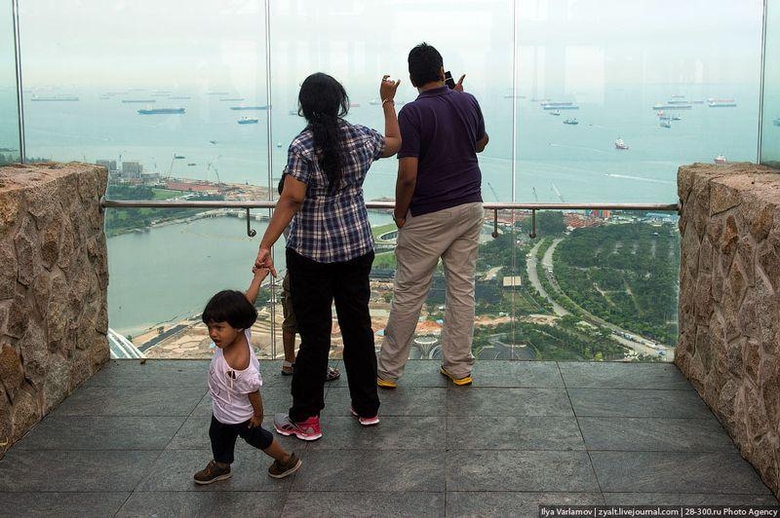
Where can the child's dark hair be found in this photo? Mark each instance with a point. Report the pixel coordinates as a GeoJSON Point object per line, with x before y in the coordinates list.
{"type": "Point", "coordinates": [232, 307]}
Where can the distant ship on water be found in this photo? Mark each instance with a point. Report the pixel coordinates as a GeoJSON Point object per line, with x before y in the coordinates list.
{"type": "Point", "coordinates": [548, 105]}
{"type": "Point", "coordinates": [263, 107]}
{"type": "Point", "coordinates": [55, 98]}
{"type": "Point", "coordinates": [721, 103]}
{"type": "Point", "coordinates": [619, 144]}
{"type": "Point", "coordinates": [248, 120]}
{"type": "Point", "coordinates": [157, 111]}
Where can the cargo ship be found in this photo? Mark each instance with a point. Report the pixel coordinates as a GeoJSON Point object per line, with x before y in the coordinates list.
{"type": "Point", "coordinates": [248, 120]}
{"type": "Point", "coordinates": [721, 103]}
{"type": "Point", "coordinates": [159, 111]}
{"type": "Point", "coordinates": [264, 107]}
{"type": "Point", "coordinates": [673, 106]}
{"type": "Point", "coordinates": [55, 98]}
{"type": "Point", "coordinates": [547, 105]}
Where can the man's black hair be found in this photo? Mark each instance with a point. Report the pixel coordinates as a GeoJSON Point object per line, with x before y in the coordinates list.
{"type": "Point", "coordinates": [230, 306]}
{"type": "Point", "coordinates": [425, 63]}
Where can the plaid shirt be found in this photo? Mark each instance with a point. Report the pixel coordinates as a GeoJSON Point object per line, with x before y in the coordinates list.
{"type": "Point", "coordinates": [331, 228]}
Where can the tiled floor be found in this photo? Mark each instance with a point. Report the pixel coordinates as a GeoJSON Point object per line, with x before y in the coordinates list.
{"type": "Point", "coordinates": [128, 441]}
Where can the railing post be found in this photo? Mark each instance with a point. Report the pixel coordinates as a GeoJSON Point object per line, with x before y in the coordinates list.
{"type": "Point", "coordinates": [249, 230]}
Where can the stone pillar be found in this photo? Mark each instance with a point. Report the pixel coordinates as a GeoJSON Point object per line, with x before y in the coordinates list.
{"type": "Point", "coordinates": [729, 310]}
{"type": "Point", "coordinates": [53, 286]}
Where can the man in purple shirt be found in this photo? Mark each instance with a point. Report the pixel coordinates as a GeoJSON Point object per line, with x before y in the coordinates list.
{"type": "Point", "coordinates": [438, 211]}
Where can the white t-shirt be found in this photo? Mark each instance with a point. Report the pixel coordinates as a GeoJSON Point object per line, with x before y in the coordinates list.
{"type": "Point", "coordinates": [230, 387]}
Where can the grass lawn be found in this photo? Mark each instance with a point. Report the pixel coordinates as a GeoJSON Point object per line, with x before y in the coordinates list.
{"type": "Point", "coordinates": [164, 194]}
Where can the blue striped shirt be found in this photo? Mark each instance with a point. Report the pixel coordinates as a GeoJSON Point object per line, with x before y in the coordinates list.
{"type": "Point", "coordinates": [331, 228]}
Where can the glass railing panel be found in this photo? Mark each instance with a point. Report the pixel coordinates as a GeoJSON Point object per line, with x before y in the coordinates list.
{"type": "Point", "coordinates": [9, 108]}
{"type": "Point", "coordinates": [146, 88]}
{"type": "Point", "coordinates": [162, 274]}
{"type": "Point", "coordinates": [770, 131]}
{"type": "Point", "coordinates": [358, 42]}
{"type": "Point", "coordinates": [670, 84]}
{"type": "Point", "coordinates": [593, 285]}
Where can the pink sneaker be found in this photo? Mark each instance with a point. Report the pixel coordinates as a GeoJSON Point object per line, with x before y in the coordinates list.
{"type": "Point", "coordinates": [365, 421]}
{"type": "Point", "coordinates": [308, 430]}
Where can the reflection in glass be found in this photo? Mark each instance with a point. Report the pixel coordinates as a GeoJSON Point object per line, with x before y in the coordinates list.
{"type": "Point", "coordinates": [674, 89]}
{"type": "Point", "coordinates": [9, 108]}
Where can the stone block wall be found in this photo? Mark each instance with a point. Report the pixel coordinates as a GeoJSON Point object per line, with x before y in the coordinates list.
{"type": "Point", "coordinates": [729, 310]}
{"type": "Point", "coordinates": [53, 285]}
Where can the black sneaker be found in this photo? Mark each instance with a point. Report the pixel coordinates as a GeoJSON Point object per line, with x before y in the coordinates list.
{"type": "Point", "coordinates": [279, 470]}
{"type": "Point", "coordinates": [212, 473]}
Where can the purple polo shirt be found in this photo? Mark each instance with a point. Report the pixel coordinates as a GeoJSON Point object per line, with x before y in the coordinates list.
{"type": "Point", "coordinates": [441, 128]}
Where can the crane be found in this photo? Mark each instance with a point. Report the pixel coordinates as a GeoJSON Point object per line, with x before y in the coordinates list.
{"type": "Point", "coordinates": [216, 172]}
{"type": "Point", "coordinates": [557, 193]}
{"type": "Point", "coordinates": [536, 196]}
{"type": "Point", "coordinates": [493, 191]}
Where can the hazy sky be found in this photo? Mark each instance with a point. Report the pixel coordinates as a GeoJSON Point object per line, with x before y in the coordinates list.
{"type": "Point", "coordinates": [574, 44]}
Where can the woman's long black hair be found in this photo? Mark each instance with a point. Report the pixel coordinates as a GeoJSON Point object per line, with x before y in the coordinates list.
{"type": "Point", "coordinates": [323, 101]}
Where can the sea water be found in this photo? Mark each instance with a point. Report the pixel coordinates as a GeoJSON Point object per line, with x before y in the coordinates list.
{"type": "Point", "coordinates": [168, 272]}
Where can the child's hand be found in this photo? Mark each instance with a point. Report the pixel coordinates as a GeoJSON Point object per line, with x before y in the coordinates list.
{"type": "Point", "coordinates": [256, 421]}
{"type": "Point", "coordinates": [260, 273]}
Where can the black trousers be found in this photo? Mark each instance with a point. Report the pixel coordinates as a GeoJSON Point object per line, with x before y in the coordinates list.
{"type": "Point", "coordinates": [223, 438]}
{"type": "Point", "coordinates": [314, 288]}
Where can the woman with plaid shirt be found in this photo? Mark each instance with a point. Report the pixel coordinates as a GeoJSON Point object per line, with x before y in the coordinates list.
{"type": "Point", "coordinates": [330, 247]}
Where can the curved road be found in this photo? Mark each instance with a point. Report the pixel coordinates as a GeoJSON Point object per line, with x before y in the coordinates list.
{"type": "Point", "coordinates": [630, 340]}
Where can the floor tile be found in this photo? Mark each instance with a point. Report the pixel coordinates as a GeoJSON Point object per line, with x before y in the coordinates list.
{"type": "Point", "coordinates": [655, 434]}
{"type": "Point", "coordinates": [537, 471]}
{"type": "Point", "coordinates": [392, 433]}
{"type": "Point", "coordinates": [375, 503]}
{"type": "Point", "coordinates": [174, 469]}
{"type": "Point", "coordinates": [500, 504]}
{"type": "Point", "coordinates": [676, 472]}
{"type": "Point", "coordinates": [371, 470]}
{"type": "Point", "coordinates": [192, 374]}
{"type": "Point", "coordinates": [679, 404]}
{"type": "Point", "coordinates": [403, 401]}
{"type": "Point", "coordinates": [513, 433]}
{"type": "Point", "coordinates": [137, 401]}
{"type": "Point", "coordinates": [68, 470]}
{"type": "Point", "coordinates": [475, 401]}
{"type": "Point", "coordinates": [38, 504]}
{"type": "Point", "coordinates": [200, 504]}
{"type": "Point", "coordinates": [657, 376]}
{"type": "Point", "coordinates": [101, 433]}
{"type": "Point", "coordinates": [697, 499]}
{"type": "Point", "coordinates": [518, 374]}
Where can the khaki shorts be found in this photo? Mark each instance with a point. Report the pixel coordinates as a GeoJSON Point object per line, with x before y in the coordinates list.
{"type": "Point", "coordinates": [289, 323]}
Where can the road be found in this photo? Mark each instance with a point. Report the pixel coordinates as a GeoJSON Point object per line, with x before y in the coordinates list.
{"type": "Point", "coordinates": [533, 276]}
{"type": "Point", "coordinates": [626, 338]}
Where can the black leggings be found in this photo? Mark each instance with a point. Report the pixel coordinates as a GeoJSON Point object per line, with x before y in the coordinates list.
{"type": "Point", "coordinates": [223, 438]}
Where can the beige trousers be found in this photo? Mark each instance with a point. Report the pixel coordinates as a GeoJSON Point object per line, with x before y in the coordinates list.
{"type": "Point", "coordinates": [452, 235]}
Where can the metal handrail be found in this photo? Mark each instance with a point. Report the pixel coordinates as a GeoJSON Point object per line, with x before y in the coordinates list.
{"type": "Point", "coordinates": [389, 205]}
{"type": "Point", "coordinates": [266, 204]}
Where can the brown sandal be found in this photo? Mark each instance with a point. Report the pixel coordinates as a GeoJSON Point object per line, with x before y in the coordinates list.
{"type": "Point", "coordinates": [332, 374]}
